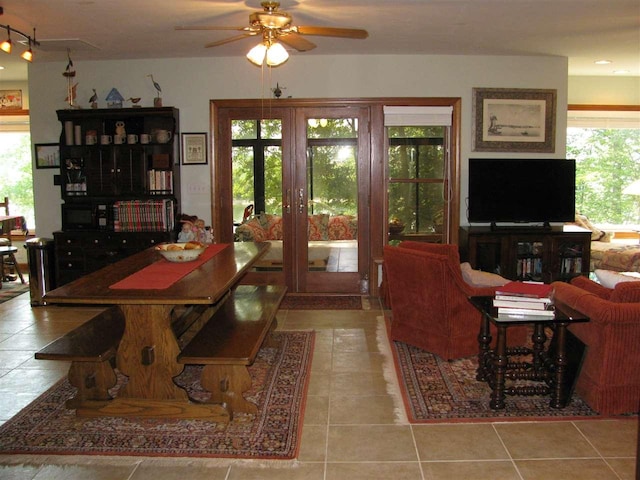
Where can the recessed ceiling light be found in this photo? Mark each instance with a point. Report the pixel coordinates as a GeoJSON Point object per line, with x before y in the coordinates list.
{"type": "Point", "coordinates": [1, 67]}
{"type": "Point", "coordinates": [602, 62]}
{"type": "Point", "coordinates": [620, 72]}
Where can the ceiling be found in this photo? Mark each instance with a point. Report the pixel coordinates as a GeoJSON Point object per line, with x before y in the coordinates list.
{"type": "Point", "coordinates": [582, 30]}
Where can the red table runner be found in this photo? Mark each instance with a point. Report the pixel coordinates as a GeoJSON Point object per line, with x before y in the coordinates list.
{"type": "Point", "coordinates": [163, 273]}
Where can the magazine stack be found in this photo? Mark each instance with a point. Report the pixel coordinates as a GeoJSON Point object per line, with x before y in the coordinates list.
{"type": "Point", "coordinates": [524, 300]}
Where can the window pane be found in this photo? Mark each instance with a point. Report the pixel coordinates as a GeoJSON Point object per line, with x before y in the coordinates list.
{"type": "Point", "coordinates": [271, 129]}
{"type": "Point", "coordinates": [331, 177]}
{"type": "Point", "coordinates": [332, 128]}
{"type": "Point", "coordinates": [243, 174]}
{"type": "Point", "coordinates": [418, 206]}
{"type": "Point", "coordinates": [607, 161]}
{"type": "Point", "coordinates": [17, 180]}
{"type": "Point", "coordinates": [273, 180]}
{"type": "Point", "coordinates": [416, 161]}
{"type": "Point", "coordinates": [244, 129]}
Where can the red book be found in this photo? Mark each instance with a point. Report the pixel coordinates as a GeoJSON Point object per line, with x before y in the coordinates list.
{"type": "Point", "coordinates": [525, 289]}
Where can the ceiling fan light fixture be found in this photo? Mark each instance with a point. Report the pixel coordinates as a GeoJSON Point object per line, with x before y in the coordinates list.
{"type": "Point", "coordinates": [256, 54]}
{"type": "Point", "coordinates": [276, 55]}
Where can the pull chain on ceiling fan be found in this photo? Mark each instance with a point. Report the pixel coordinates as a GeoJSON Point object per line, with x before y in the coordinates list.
{"type": "Point", "coordinates": [276, 27]}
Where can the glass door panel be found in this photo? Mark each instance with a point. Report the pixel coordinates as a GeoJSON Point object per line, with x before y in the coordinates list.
{"type": "Point", "coordinates": [332, 204]}
{"type": "Point", "coordinates": [330, 163]}
{"type": "Point", "coordinates": [257, 187]}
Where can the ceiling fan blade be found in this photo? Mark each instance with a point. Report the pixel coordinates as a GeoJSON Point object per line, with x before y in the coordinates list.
{"type": "Point", "coordinates": [229, 40]}
{"type": "Point", "coordinates": [296, 41]}
{"type": "Point", "coordinates": [204, 27]}
{"type": "Point", "coordinates": [333, 32]}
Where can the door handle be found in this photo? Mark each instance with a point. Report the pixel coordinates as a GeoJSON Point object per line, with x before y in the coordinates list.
{"type": "Point", "coordinates": [287, 201]}
{"type": "Point", "coordinates": [301, 200]}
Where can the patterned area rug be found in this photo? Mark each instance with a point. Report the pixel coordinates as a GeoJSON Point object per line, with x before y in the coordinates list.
{"type": "Point", "coordinates": [321, 302]}
{"type": "Point", "coordinates": [434, 390]}
{"type": "Point", "coordinates": [12, 289]}
{"type": "Point", "coordinates": [280, 379]}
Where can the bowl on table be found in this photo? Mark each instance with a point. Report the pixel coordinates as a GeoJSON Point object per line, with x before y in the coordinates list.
{"type": "Point", "coordinates": [181, 252]}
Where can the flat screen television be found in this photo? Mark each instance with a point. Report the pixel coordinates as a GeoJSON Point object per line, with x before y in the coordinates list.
{"type": "Point", "coordinates": [517, 190]}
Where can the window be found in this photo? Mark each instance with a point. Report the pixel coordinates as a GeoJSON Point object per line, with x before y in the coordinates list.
{"type": "Point", "coordinates": [418, 172]}
{"type": "Point", "coordinates": [606, 146]}
{"type": "Point", "coordinates": [256, 166]}
{"type": "Point", "coordinates": [16, 182]}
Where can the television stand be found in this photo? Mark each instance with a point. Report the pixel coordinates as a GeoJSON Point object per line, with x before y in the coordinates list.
{"type": "Point", "coordinates": [528, 253]}
{"type": "Point", "coordinates": [545, 227]}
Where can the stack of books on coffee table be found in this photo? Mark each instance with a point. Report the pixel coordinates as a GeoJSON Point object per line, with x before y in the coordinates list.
{"type": "Point", "coordinates": [525, 300]}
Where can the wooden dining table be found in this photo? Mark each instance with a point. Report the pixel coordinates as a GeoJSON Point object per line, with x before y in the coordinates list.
{"type": "Point", "coordinates": [148, 351]}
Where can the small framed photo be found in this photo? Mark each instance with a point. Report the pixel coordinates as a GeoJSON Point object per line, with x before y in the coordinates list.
{"type": "Point", "coordinates": [10, 99]}
{"type": "Point", "coordinates": [514, 120]}
{"type": "Point", "coordinates": [194, 149]}
{"type": "Point", "coordinates": [47, 155]}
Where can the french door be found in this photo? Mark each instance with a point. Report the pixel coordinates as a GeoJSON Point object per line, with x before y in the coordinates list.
{"type": "Point", "coordinates": [305, 173]}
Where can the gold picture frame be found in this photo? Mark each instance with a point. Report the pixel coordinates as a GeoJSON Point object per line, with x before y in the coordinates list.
{"type": "Point", "coordinates": [514, 120]}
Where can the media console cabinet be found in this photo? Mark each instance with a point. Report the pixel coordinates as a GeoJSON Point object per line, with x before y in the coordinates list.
{"type": "Point", "coordinates": [536, 254]}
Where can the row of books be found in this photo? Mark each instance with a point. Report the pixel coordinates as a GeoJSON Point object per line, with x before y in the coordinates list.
{"type": "Point", "coordinates": [524, 300]}
{"type": "Point", "coordinates": [160, 181]}
{"type": "Point", "coordinates": [144, 216]}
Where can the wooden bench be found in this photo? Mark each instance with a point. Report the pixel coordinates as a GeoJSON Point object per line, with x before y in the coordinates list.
{"type": "Point", "coordinates": [229, 342]}
{"type": "Point", "coordinates": [90, 348]}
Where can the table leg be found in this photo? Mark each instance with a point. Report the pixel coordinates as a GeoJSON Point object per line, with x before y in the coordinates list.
{"type": "Point", "coordinates": [499, 369]}
{"type": "Point", "coordinates": [147, 355]}
{"type": "Point", "coordinates": [538, 338]}
{"type": "Point", "coordinates": [559, 393]}
{"type": "Point", "coordinates": [484, 343]}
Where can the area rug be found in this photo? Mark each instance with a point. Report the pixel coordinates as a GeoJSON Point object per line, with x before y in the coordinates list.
{"type": "Point", "coordinates": [436, 390]}
{"type": "Point", "coordinates": [321, 302]}
{"type": "Point", "coordinates": [10, 290]}
{"type": "Point", "coordinates": [280, 378]}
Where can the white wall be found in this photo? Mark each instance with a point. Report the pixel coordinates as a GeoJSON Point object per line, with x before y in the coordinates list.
{"type": "Point", "coordinates": [189, 84]}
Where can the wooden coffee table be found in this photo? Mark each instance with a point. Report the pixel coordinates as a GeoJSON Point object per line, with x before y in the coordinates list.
{"type": "Point", "coordinates": [551, 371]}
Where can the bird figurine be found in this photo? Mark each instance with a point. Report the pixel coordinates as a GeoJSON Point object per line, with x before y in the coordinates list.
{"type": "Point", "coordinates": [94, 99]}
{"type": "Point", "coordinates": [69, 71]}
{"type": "Point", "coordinates": [157, 102]}
{"type": "Point", "coordinates": [134, 101]}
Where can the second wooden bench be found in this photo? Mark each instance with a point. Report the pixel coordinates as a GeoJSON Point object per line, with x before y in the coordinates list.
{"type": "Point", "coordinates": [229, 342]}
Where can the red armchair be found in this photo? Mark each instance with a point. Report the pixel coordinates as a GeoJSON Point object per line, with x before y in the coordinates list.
{"type": "Point", "coordinates": [429, 300]}
{"type": "Point", "coordinates": [609, 380]}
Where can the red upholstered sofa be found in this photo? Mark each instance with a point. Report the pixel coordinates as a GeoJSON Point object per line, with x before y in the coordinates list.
{"type": "Point", "coordinates": [609, 380]}
{"type": "Point", "coordinates": [429, 300]}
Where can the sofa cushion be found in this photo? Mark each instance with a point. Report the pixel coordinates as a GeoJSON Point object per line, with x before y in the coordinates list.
{"type": "Point", "coordinates": [251, 231]}
{"type": "Point", "coordinates": [610, 279]}
{"type": "Point", "coordinates": [342, 227]}
{"type": "Point", "coordinates": [274, 227]}
{"type": "Point", "coordinates": [478, 278]}
{"type": "Point", "coordinates": [318, 227]}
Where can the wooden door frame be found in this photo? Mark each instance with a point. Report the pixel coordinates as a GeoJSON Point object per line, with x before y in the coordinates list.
{"type": "Point", "coordinates": [221, 183]}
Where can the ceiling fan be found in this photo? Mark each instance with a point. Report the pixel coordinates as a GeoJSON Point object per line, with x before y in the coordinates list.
{"type": "Point", "coordinates": [275, 25]}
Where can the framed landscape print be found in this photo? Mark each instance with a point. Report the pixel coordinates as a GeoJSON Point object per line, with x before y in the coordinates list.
{"type": "Point", "coordinates": [514, 120]}
{"type": "Point", "coordinates": [47, 155]}
{"type": "Point", "coordinates": [194, 148]}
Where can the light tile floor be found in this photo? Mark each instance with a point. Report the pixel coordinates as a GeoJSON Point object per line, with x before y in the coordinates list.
{"type": "Point", "coordinates": [354, 428]}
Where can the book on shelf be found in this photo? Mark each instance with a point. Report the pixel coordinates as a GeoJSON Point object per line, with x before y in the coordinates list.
{"type": "Point", "coordinates": [525, 289]}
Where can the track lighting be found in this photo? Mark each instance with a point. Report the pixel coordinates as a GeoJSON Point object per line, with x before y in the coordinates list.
{"type": "Point", "coordinates": [7, 45]}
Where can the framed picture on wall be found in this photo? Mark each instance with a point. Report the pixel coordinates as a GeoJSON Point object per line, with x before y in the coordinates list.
{"type": "Point", "coordinates": [47, 155]}
{"type": "Point", "coordinates": [514, 120]}
{"type": "Point", "coordinates": [10, 100]}
{"type": "Point", "coordinates": [194, 149]}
